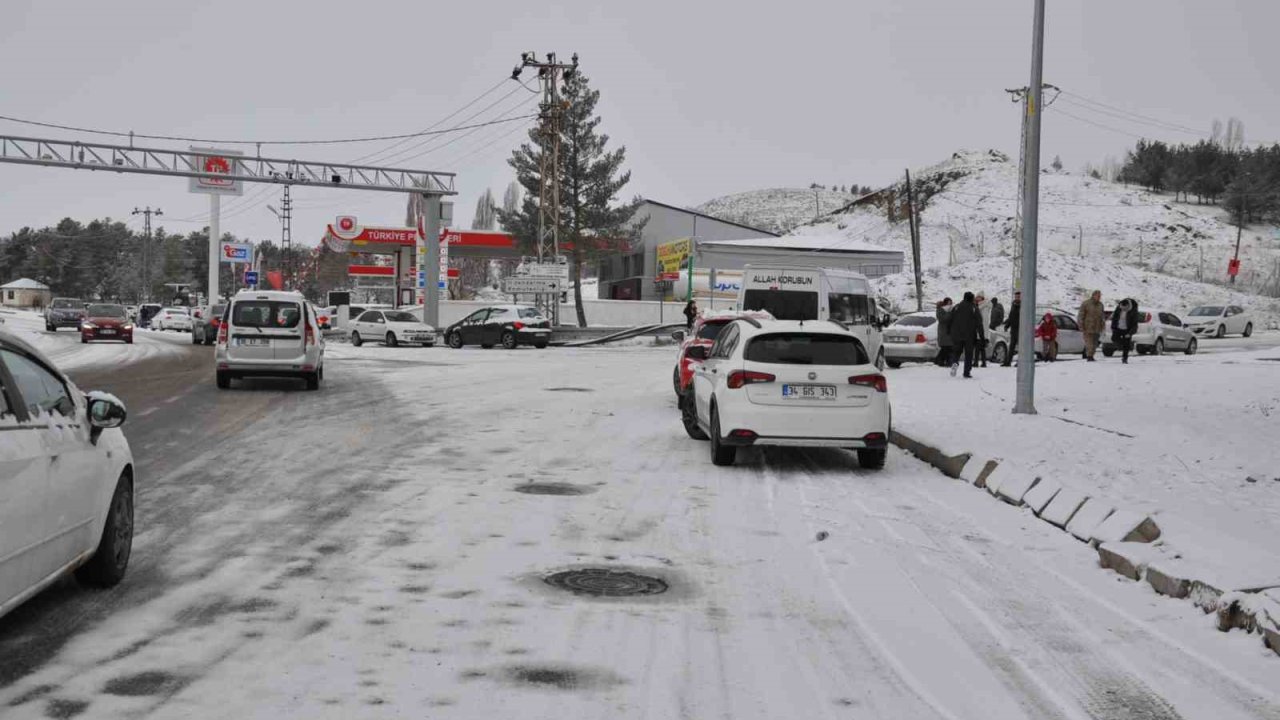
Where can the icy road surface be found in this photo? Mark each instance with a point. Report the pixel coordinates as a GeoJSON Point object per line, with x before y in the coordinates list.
{"type": "Point", "coordinates": [362, 552]}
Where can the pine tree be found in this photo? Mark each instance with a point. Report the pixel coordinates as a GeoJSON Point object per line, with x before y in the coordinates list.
{"type": "Point", "coordinates": [592, 222]}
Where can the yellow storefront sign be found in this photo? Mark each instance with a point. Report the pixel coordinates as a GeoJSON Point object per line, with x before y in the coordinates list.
{"type": "Point", "coordinates": [673, 257]}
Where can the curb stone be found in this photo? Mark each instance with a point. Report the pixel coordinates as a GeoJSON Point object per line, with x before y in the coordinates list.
{"type": "Point", "coordinates": [951, 465]}
{"type": "Point", "coordinates": [1130, 559]}
{"type": "Point", "coordinates": [1039, 497]}
{"type": "Point", "coordinates": [977, 470]}
{"type": "Point", "coordinates": [1063, 507]}
{"type": "Point", "coordinates": [1091, 514]}
{"type": "Point", "coordinates": [1126, 526]}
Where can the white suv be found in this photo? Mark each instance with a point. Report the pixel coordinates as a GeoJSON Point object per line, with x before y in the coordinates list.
{"type": "Point", "coordinates": [269, 334]}
{"type": "Point", "coordinates": [66, 479]}
{"type": "Point", "coordinates": [783, 382]}
{"type": "Point", "coordinates": [1220, 321]}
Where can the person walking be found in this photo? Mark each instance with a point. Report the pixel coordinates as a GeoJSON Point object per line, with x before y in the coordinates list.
{"type": "Point", "coordinates": [1093, 320]}
{"type": "Point", "coordinates": [985, 311]}
{"type": "Point", "coordinates": [997, 315]}
{"type": "Point", "coordinates": [943, 313]}
{"type": "Point", "coordinates": [1047, 331]}
{"type": "Point", "coordinates": [1011, 324]}
{"type": "Point", "coordinates": [690, 314]}
{"type": "Point", "coordinates": [1124, 323]}
{"type": "Point", "coordinates": [966, 329]}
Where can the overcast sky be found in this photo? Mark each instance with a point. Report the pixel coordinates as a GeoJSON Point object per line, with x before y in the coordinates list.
{"type": "Point", "coordinates": [709, 98]}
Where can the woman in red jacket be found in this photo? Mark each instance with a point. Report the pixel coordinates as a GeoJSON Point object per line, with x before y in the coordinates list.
{"type": "Point", "coordinates": [1047, 331]}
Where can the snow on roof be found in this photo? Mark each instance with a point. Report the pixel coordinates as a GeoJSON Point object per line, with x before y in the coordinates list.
{"type": "Point", "coordinates": [829, 243]}
{"type": "Point", "coordinates": [24, 284]}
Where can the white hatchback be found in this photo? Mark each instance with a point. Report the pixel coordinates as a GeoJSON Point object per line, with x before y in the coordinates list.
{"type": "Point", "coordinates": [790, 383]}
{"type": "Point", "coordinates": [1219, 321]}
{"type": "Point", "coordinates": [66, 479]}
{"type": "Point", "coordinates": [392, 328]}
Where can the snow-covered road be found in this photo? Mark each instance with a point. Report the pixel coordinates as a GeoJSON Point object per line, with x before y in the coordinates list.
{"type": "Point", "coordinates": [64, 348]}
{"type": "Point", "coordinates": [364, 552]}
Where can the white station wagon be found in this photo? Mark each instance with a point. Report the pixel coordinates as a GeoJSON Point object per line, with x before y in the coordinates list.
{"type": "Point", "coordinates": [391, 328]}
{"type": "Point", "coordinates": [790, 383]}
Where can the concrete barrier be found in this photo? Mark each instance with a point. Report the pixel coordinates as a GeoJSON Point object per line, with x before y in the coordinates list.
{"type": "Point", "coordinates": [977, 470]}
{"type": "Point", "coordinates": [1038, 497]}
{"type": "Point", "coordinates": [951, 465]}
{"type": "Point", "coordinates": [1089, 517]}
{"type": "Point", "coordinates": [1063, 507]}
{"type": "Point", "coordinates": [1126, 526]}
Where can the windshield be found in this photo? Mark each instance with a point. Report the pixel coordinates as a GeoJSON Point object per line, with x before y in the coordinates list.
{"type": "Point", "coordinates": [67, 303]}
{"type": "Point", "coordinates": [266, 314]}
{"type": "Point", "coordinates": [799, 348]}
{"type": "Point", "coordinates": [916, 321]}
{"type": "Point", "coordinates": [1207, 311]}
{"type": "Point", "coordinates": [783, 304]}
{"type": "Point", "coordinates": [399, 316]}
{"type": "Point", "coordinates": [106, 311]}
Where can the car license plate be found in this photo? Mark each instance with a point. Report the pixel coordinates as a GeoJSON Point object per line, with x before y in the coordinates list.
{"type": "Point", "coordinates": [106, 332]}
{"type": "Point", "coordinates": [894, 339]}
{"type": "Point", "coordinates": [252, 342]}
{"type": "Point", "coordinates": [809, 392]}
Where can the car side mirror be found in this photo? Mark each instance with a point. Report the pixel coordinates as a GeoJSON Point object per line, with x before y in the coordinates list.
{"type": "Point", "coordinates": [678, 336]}
{"type": "Point", "coordinates": [697, 352]}
{"type": "Point", "coordinates": [105, 412]}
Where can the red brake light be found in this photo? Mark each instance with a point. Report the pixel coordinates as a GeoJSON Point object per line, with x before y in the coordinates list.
{"type": "Point", "coordinates": [743, 434]}
{"type": "Point", "coordinates": [738, 378]}
{"type": "Point", "coordinates": [310, 336]}
{"type": "Point", "coordinates": [517, 325]}
{"type": "Point", "coordinates": [222, 334]}
{"type": "Point", "coordinates": [1146, 317]}
{"type": "Point", "coordinates": [921, 338]}
{"type": "Point", "coordinates": [879, 382]}
{"type": "Point", "coordinates": [874, 439]}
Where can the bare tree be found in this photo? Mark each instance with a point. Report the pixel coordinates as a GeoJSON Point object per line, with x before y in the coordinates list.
{"type": "Point", "coordinates": [511, 198]}
{"type": "Point", "coordinates": [486, 215]}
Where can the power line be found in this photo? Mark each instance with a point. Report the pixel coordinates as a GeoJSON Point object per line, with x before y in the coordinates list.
{"type": "Point", "coordinates": [1060, 111]}
{"type": "Point", "coordinates": [1076, 98]}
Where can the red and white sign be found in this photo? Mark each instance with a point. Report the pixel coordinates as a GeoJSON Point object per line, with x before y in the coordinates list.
{"type": "Point", "coordinates": [387, 240]}
{"type": "Point", "coordinates": [1233, 267]}
{"type": "Point", "coordinates": [346, 224]}
{"type": "Point", "coordinates": [216, 162]}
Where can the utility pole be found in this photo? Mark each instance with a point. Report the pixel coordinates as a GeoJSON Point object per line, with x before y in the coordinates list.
{"type": "Point", "coordinates": [146, 249]}
{"type": "Point", "coordinates": [1025, 404]}
{"type": "Point", "coordinates": [1239, 232]}
{"type": "Point", "coordinates": [285, 216]}
{"type": "Point", "coordinates": [915, 243]}
{"type": "Point", "coordinates": [551, 112]}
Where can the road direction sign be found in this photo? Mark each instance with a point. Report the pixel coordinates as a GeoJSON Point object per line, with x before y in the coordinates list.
{"type": "Point", "coordinates": [559, 271]}
{"type": "Point", "coordinates": [251, 277]}
{"type": "Point", "coordinates": [527, 285]}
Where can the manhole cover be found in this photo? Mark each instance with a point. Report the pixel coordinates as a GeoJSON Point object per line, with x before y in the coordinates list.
{"type": "Point", "coordinates": [569, 389]}
{"type": "Point", "coordinates": [601, 582]}
{"type": "Point", "coordinates": [553, 489]}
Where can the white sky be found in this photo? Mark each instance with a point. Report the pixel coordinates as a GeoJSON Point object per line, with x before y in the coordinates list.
{"type": "Point", "coordinates": [709, 98]}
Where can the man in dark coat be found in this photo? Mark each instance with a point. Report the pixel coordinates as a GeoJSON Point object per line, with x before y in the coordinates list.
{"type": "Point", "coordinates": [1011, 324]}
{"type": "Point", "coordinates": [997, 314]}
{"type": "Point", "coordinates": [943, 313]}
{"type": "Point", "coordinates": [1124, 323]}
{"type": "Point", "coordinates": [966, 330]}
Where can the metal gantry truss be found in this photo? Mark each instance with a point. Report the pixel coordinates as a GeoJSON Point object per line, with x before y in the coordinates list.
{"type": "Point", "coordinates": [186, 163]}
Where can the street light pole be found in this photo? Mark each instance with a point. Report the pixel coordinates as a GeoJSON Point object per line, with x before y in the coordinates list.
{"type": "Point", "coordinates": [1025, 403]}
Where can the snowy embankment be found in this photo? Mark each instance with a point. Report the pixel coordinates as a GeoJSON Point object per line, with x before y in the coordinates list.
{"type": "Point", "coordinates": [1190, 441]}
{"type": "Point", "coordinates": [777, 209]}
{"type": "Point", "coordinates": [66, 351]}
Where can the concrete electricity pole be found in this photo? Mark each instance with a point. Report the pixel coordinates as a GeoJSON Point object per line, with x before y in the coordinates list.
{"type": "Point", "coordinates": [146, 249]}
{"type": "Point", "coordinates": [1025, 403]}
{"type": "Point", "coordinates": [915, 243]}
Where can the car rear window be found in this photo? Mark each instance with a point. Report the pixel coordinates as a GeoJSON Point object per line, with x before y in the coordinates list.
{"type": "Point", "coordinates": [399, 316]}
{"type": "Point", "coordinates": [266, 314]}
{"type": "Point", "coordinates": [916, 321]}
{"type": "Point", "coordinates": [528, 312]}
{"type": "Point", "coordinates": [783, 304]}
{"type": "Point", "coordinates": [112, 311]}
{"type": "Point", "coordinates": [67, 303]}
{"type": "Point", "coordinates": [710, 331]}
{"type": "Point", "coordinates": [801, 348]}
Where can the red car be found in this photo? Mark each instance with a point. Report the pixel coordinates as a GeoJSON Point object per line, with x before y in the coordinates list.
{"type": "Point", "coordinates": [703, 335]}
{"type": "Point", "coordinates": [106, 322]}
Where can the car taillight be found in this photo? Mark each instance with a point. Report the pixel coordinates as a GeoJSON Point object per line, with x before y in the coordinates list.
{"type": "Point", "coordinates": [743, 434]}
{"type": "Point", "coordinates": [879, 382]}
{"type": "Point", "coordinates": [222, 335]}
{"type": "Point", "coordinates": [921, 338]}
{"type": "Point", "coordinates": [1146, 317]}
{"type": "Point", "coordinates": [738, 378]}
{"type": "Point", "coordinates": [309, 337]}
{"type": "Point", "coordinates": [517, 325]}
{"type": "Point", "coordinates": [874, 439]}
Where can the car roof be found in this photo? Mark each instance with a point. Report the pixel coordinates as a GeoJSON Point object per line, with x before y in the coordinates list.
{"type": "Point", "coordinates": [823, 327]}
{"type": "Point", "coordinates": [268, 295]}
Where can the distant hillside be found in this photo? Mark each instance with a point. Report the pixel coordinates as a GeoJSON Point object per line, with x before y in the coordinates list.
{"type": "Point", "coordinates": [778, 209]}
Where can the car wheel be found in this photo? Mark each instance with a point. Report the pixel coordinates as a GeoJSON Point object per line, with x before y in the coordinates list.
{"type": "Point", "coordinates": [721, 454]}
{"type": "Point", "coordinates": [872, 458]}
{"type": "Point", "coordinates": [355, 339]}
{"type": "Point", "coordinates": [109, 562]}
{"type": "Point", "coordinates": [223, 380]}
{"type": "Point", "coordinates": [675, 383]}
{"type": "Point", "coordinates": [486, 347]}
{"type": "Point", "coordinates": [689, 417]}
{"type": "Point", "coordinates": [1159, 348]}
{"type": "Point", "coordinates": [1191, 347]}
{"type": "Point", "coordinates": [1222, 331]}
{"type": "Point", "coordinates": [455, 340]}
{"type": "Point", "coordinates": [540, 344]}
{"type": "Point", "coordinates": [895, 364]}
{"type": "Point", "coordinates": [1000, 353]}
{"type": "Point", "coordinates": [313, 380]}
{"type": "Point", "coordinates": [509, 340]}
{"type": "Point", "coordinates": [84, 340]}
{"type": "Point", "coordinates": [1248, 329]}
{"type": "Point", "coordinates": [128, 341]}
{"type": "Point", "coordinates": [195, 340]}
{"type": "Point", "coordinates": [1108, 353]}
{"type": "Point", "coordinates": [391, 340]}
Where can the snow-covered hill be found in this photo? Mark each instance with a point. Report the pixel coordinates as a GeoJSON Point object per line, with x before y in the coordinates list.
{"type": "Point", "coordinates": [1133, 240]}
{"type": "Point", "coordinates": [777, 209]}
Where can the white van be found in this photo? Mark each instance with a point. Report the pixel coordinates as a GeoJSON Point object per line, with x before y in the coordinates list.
{"type": "Point", "coordinates": [269, 334]}
{"type": "Point", "coordinates": [808, 293]}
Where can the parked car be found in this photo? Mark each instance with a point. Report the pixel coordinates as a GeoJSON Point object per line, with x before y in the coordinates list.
{"type": "Point", "coordinates": [1157, 332]}
{"type": "Point", "coordinates": [63, 312]}
{"type": "Point", "coordinates": [911, 338]}
{"type": "Point", "coordinates": [324, 316]}
{"type": "Point", "coordinates": [204, 331]}
{"type": "Point", "coordinates": [173, 318]}
{"type": "Point", "coordinates": [269, 334]}
{"type": "Point", "coordinates": [1070, 338]}
{"type": "Point", "coordinates": [66, 479]}
{"type": "Point", "coordinates": [786, 382]}
{"type": "Point", "coordinates": [510, 325]}
{"type": "Point", "coordinates": [106, 322]}
{"type": "Point", "coordinates": [695, 344]}
{"type": "Point", "coordinates": [391, 328]}
{"type": "Point", "coordinates": [146, 312]}
{"type": "Point", "coordinates": [1219, 321]}
{"type": "Point", "coordinates": [132, 310]}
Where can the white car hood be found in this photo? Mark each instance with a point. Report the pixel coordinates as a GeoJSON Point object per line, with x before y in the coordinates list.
{"type": "Point", "coordinates": [410, 326]}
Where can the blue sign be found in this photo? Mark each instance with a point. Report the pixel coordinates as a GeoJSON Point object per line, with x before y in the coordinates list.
{"type": "Point", "coordinates": [441, 284]}
{"type": "Point", "coordinates": [251, 277]}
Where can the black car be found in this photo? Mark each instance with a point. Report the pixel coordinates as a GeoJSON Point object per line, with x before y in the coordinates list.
{"type": "Point", "coordinates": [204, 331]}
{"type": "Point", "coordinates": [64, 312]}
{"type": "Point", "coordinates": [507, 325]}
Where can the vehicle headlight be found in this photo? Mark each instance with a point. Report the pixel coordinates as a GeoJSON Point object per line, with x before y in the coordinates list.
{"type": "Point", "coordinates": [88, 326]}
{"type": "Point", "coordinates": [127, 326]}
